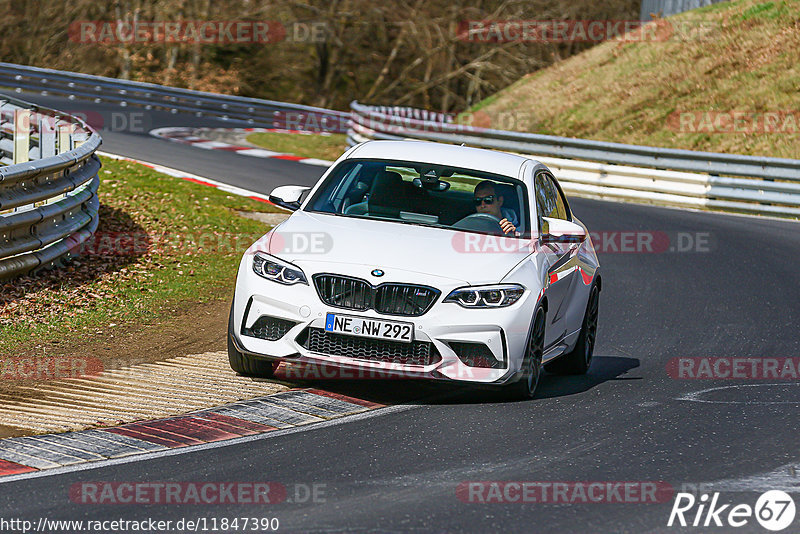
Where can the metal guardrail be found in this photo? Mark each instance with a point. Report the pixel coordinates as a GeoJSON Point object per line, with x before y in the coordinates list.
{"type": "Point", "coordinates": [48, 186]}
{"type": "Point", "coordinates": [258, 112]}
{"type": "Point", "coordinates": [682, 178]}
{"type": "Point", "coordinates": [666, 8]}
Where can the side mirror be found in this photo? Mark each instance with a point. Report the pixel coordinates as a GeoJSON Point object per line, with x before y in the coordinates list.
{"type": "Point", "coordinates": [561, 231]}
{"type": "Point", "coordinates": [288, 196]}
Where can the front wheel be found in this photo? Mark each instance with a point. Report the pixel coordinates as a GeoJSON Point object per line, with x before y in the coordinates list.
{"type": "Point", "coordinates": [244, 364]}
{"type": "Point", "coordinates": [525, 387]}
{"type": "Point", "coordinates": [577, 361]}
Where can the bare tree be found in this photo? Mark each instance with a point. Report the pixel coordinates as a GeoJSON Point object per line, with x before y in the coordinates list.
{"type": "Point", "coordinates": [409, 52]}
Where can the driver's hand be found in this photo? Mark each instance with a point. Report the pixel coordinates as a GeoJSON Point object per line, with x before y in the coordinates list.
{"type": "Point", "coordinates": [507, 227]}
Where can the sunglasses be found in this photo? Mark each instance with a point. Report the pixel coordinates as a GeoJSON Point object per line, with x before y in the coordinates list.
{"type": "Point", "coordinates": [488, 199]}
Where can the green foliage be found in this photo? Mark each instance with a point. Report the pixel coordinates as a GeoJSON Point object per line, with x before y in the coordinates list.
{"type": "Point", "coordinates": [327, 147]}
{"type": "Point", "coordinates": [191, 240]}
{"type": "Point", "coordinates": [767, 10]}
{"type": "Point", "coordinates": [737, 58]}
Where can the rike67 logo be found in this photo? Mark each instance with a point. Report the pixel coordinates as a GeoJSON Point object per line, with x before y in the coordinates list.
{"type": "Point", "coordinates": [774, 510]}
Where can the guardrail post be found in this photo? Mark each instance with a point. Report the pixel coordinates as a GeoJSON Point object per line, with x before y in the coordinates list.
{"type": "Point", "coordinates": [65, 137]}
{"type": "Point", "coordinates": [78, 139]}
{"type": "Point", "coordinates": [47, 137]}
{"type": "Point", "coordinates": [66, 143]}
{"type": "Point", "coordinates": [22, 136]}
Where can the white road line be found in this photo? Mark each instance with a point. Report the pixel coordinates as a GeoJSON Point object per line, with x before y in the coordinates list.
{"type": "Point", "coordinates": [258, 153]}
{"type": "Point", "coordinates": [211, 144]}
{"type": "Point", "coordinates": [694, 396]}
{"type": "Point", "coordinates": [315, 161]}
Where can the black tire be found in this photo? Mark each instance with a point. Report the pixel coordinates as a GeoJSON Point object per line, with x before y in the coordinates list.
{"type": "Point", "coordinates": [525, 387]}
{"type": "Point", "coordinates": [578, 361]}
{"type": "Point", "coordinates": [247, 365]}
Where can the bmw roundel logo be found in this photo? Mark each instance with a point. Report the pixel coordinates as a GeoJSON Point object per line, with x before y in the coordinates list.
{"type": "Point", "coordinates": [377, 272]}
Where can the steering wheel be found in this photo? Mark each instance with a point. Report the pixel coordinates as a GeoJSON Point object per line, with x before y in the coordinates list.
{"type": "Point", "coordinates": [480, 222]}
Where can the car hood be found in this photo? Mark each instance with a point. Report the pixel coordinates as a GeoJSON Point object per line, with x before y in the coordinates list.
{"type": "Point", "coordinates": [324, 242]}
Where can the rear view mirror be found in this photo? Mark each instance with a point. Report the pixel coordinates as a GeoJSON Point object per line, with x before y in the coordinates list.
{"type": "Point", "coordinates": [561, 231]}
{"type": "Point", "coordinates": [435, 185]}
{"type": "Point", "coordinates": [288, 196]}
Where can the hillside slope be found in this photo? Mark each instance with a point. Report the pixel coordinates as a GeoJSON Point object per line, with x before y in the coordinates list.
{"type": "Point", "coordinates": [732, 85]}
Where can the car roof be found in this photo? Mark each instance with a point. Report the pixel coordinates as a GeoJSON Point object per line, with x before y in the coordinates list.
{"type": "Point", "coordinates": [477, 159]}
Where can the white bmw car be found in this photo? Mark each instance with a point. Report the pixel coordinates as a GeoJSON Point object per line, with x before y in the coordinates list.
{"type": "Point", "coordinates": [422, 260]}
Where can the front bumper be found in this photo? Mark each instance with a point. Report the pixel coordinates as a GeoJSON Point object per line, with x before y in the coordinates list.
{"type": "Point", "coordinates": [504, 331]}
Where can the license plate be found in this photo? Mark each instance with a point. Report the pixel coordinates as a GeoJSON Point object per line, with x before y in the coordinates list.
{"type": "Point", "coordinates": [367, 327]}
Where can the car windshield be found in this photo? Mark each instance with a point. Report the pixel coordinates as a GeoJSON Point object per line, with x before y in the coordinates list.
{"type": "Point", "coordinates": [425, 194]}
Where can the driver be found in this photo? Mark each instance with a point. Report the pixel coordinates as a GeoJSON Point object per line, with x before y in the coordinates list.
{"type": "Point", "coordinates": [489, 202]}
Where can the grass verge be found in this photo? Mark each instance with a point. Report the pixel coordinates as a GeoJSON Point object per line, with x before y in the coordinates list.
{"type": "Point", "coordinates": [730, 72]}
{"type": "Point", "coordinates": [328, 147]}
{"type": "Point", "coordinates": [162, 243]}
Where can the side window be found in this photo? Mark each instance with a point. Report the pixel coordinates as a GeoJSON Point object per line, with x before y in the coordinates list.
{"type": "Point", "coordinates": [561, 210]}
{"type": "Point", "coordinates": [555, 202]}
{"type": "Point", "coordinates": [542, 204]}
{"type": "Point", "coordinates": [560, 201]}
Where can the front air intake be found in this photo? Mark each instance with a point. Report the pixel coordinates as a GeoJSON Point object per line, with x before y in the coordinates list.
{"type": "Point", "coordinates": [409, 300]}
{"type": "Point", "coordinates": [269, 328]}
{"type": "Point", "coordinates": [362, 348]}
{"type": "Point", "coordinates": [476, 355]}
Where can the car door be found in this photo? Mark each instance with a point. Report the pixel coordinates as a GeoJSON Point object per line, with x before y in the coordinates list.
{"type": "Point", "coordinates": [560, 257]}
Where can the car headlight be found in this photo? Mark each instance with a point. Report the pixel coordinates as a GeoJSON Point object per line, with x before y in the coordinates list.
{"type": "Point", "coordinates": [497, 296]}
{"type": "Point", "coordinates": [278, 271]}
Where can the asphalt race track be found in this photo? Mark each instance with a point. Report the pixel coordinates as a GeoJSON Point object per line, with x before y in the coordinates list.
{"type": "Point", "coordinates": [398, 470]}
{"type": "Point", "coordinates": [125, 132]}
